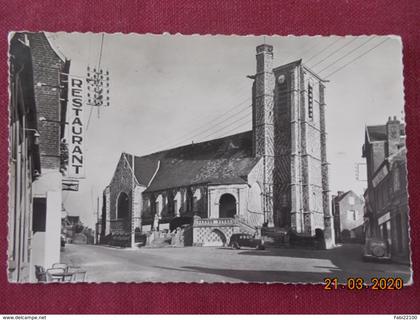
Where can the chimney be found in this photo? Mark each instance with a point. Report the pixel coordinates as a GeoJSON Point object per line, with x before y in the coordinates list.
{"type": "Point", "coordinates": [393, 135]}
{"type": "Point", "coordinates": [263, 128]}
{"type": "Point", "coordinates": [263, 102]}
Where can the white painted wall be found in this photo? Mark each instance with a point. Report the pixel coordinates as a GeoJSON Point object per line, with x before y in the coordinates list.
{"type": "Point", "coordinates": [52, 228]}
{"type": "Point", "coordinates": [46, 245]}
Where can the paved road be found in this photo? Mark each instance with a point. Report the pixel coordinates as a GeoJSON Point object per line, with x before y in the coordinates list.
{"type": "Point", "coordinates": [193, 264]}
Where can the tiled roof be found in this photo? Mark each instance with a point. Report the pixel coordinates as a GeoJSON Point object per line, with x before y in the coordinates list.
{"type": "Point", "coordinates": [222, 161]}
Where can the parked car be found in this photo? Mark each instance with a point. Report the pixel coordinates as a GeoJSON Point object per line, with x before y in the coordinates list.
{"type": "Point", "coordinates": [376, 249]}
{"type": "Point", "coordinates": [238, 240]}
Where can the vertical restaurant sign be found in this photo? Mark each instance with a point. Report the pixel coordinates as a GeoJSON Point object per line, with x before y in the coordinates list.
{"type": "Point", "coordinates": [76, 166]}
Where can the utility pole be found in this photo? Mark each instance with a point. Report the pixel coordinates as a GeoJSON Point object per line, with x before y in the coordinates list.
{"type": "Point", "coordinates": [133, 227]}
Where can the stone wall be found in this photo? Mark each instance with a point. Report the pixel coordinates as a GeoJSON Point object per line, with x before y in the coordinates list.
{"type": "Point", "coordinates": [121, 182]}
{"type": "Point", "coordinates": [300, 185]}
{"type": "Point", "coordinates": [187, 201]}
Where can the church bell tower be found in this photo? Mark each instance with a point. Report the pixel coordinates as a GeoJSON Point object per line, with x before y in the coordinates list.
{"type": "Point", "coordinates": [289, 135]}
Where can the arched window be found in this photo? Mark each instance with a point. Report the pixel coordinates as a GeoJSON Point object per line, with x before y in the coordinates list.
{"type": "Point", "coordinates": [123, 206]}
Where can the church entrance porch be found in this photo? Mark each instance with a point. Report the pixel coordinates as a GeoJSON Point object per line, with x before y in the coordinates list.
{"type": "Point", "coordinates": [227, 206]}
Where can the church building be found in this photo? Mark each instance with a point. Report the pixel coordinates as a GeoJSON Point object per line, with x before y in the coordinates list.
{"type": "Point", "coordinates": [274, 176]}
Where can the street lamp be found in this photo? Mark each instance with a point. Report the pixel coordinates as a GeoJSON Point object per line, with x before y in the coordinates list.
{"type": "Point", "coordinates": [43, 119]}
{"type": "Point", "coordinates": [36, 135]}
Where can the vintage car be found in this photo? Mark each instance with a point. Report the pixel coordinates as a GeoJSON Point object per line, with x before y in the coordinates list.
{"type": "Point", "coordinates": [238, 240]}
{"type": "Point", "coordinates": [376, 249]}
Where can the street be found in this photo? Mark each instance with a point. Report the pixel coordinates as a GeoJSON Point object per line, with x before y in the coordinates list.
{"type": "Point", "coordinates": [206, 264]}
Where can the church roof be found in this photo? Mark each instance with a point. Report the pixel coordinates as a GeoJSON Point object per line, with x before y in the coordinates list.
{"type": "Point", "coordinates": [226, 160]}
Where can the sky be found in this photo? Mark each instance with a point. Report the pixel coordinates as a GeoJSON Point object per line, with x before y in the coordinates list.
{"type": "Point", "coordinates": [169, 90]}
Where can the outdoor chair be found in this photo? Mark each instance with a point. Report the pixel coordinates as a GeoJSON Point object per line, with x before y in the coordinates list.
{"type": "Point", "coordinates": [78, 276]}
{"type": "Point", "coordinates": [60, 265]}
{"type": "Point", "coordinates": [40, 274]}
{"type": "Point", "coordinates": [71, 269]}
{"type": "Point", "coordinates": [55, 274]}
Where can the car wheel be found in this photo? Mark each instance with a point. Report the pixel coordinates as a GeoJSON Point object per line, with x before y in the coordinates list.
{"type": "Point", "coordinates": [378, 251]}
{"type": "Point", "coordinates": [236, 246]}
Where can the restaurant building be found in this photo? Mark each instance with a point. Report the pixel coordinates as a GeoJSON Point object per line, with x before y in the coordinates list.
{"type": "Point", "coordinates": [37, 119]}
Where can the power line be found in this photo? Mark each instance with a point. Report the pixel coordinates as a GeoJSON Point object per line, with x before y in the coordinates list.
{"type": "Point", "coordinates": [323, 50]}
{"type": "Point", "coordinates": [310, 49]}
{"type": "Point", "coordinates": [224, 120]}
{"type": "Point", "coordinates": [224, 127]}
{"type": "Point", "coordinates": [100, 51]}
{"type": "Point", "coordinates": [334, 52]}
{"type": "Point", "coordinates": [198, 130]}
{"type": "Point", "coordinates": [196, 136]}
{"type": "Point", "coordinates": [233, 129]}
{"type": "Point", "coordinates": [346, 55]}
{"type": "Point", "coordinates": [356, 58]}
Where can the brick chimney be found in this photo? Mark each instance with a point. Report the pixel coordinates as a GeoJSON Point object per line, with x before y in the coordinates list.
{"type": "Point", "coordinates": [393, 135]}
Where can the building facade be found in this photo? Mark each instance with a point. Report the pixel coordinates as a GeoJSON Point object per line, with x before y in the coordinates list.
{"type": "Point", "coordinates": [348, 212]}
{"type": "Point", "coordinates": [274, 176]}
{"type": "Point", "coordinates": [386, 197]}
{"type": "Point", "coordinates": [38, 111]}
{"type": "Point", "coordinates": [24, 160]}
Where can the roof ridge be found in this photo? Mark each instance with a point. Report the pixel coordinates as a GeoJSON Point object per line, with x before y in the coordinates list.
{"type": "Point", "coordinates": [192, 144]}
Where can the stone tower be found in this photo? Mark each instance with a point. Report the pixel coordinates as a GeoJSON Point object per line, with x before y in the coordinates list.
{"type": "Point", "coordinates": [263, 124]}
{"type": "Point", "coordinates": [290, 135]}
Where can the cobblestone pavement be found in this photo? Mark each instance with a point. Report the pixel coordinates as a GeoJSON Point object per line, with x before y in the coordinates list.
{"type": "Point", "coordinates": [194, 264]}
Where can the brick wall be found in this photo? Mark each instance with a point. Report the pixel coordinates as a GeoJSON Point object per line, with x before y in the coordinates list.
{"type": "Point", "coordinates": [47, 66]}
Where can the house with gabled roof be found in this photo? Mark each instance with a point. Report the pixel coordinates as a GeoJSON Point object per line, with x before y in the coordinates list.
{"type": "Point", "coordinates": [386, 196]}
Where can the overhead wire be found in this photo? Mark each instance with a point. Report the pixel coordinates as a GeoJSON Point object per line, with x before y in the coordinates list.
{"type": "Point", "coordinates": [347, 54]}
{"type": "Point", "coordinates": [323, 50]}
{"type": "Point", "coordinates": [198, 130]}
{"type": "Point", "coordinates": [247, 122]}
{"type": "Point", "coordinates": [197, 136]}
{"type": "Point", "coordinates": [356, 58]}
{"type": "Point", "coordinates": [332, 53]}
{"type": "Point", "coordinates": [319, 62]}
{"type": "Point", "coordinates": [224, 127]}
